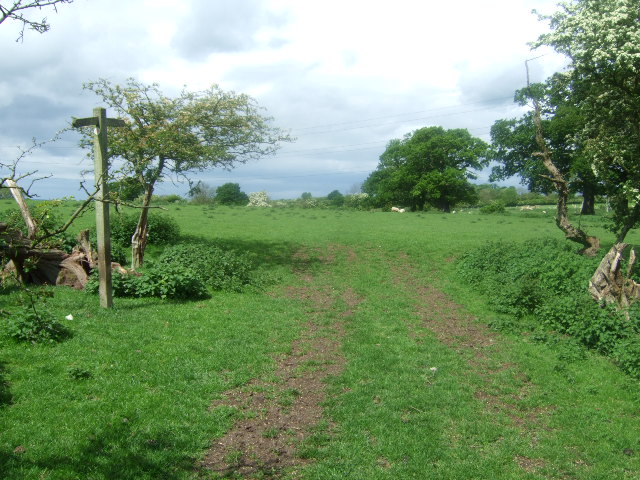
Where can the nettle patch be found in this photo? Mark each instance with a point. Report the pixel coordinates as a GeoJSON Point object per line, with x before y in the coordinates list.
{"type": "Point", "coordinates": [188, 271]}
{"type": "Point", "coordinates": [542, 285]}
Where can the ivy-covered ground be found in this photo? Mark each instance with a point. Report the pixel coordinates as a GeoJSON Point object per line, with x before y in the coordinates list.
{"type": "Point", "coordinates": [361, 345]}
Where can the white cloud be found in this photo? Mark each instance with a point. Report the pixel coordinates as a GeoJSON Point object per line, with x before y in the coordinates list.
{"type": "Point", "coordinates": [359, 73]}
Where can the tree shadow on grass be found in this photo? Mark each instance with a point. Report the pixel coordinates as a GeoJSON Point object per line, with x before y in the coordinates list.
{"type": "Point", "coordinates": [5, 393]}
{"type": "Point", "coordinates": [117, 451]}
{"type": "Point", "coordinates": [264, 253]}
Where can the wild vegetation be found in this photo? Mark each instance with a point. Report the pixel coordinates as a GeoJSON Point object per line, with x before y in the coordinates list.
{"type": "Point", "coordinates": [424, 388]}
{"type": "Point", "coordinates": [341, 336]}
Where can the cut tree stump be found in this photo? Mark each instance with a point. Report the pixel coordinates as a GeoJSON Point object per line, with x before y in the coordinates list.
{"type": "Point", "coordinates": [609, 284]}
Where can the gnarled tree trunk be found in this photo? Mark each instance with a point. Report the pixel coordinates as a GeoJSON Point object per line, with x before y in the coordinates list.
{"type": "Point", "coordinates": [591, 244]}
{"type": "Point", "coordinates": [609, 284]}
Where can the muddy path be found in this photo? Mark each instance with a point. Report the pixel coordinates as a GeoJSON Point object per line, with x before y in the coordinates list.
{"type": "Point", "coordinates": [277, 414]}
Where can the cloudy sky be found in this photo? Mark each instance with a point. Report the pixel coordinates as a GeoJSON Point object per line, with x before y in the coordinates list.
{"type": "Point", "coordinates": [344, 77]}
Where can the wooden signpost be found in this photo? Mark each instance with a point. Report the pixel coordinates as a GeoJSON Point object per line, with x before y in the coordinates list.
{"type": "Point", "coordinates": [101, 172]}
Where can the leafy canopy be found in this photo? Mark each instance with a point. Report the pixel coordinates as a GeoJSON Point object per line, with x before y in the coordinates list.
{"type": "Point", "coordinates": [191, 132]}
{"type": "Point", "coordinates": [602, 40]}
{"type": "Point", "coordinates": [427, 167]}
{"type": "Point", "coordinates": [230, 194]}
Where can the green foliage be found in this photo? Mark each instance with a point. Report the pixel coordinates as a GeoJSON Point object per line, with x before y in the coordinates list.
{"type": "Point", "coordinates": [47, 217]}
{"type": "Point", "coordinates": [544, 281]}
{"type": "Point", "coordinates": [167, 199]}
{"type": "Point", "coordinates": [358, 201]}
{"type": "Point", "coordinates": [230, 194]}
{"type": "Point", "coordinates": [219, 269]}
{"type": "Point", "coordinates": [165, 136]}
{"type": "Point", "coordinates": [427, 167]}
{"type": "Point", "coordinates": [126, 189]}
{"type": "Point", "coordinates": [29, 324]}
{"type": "Point", "coordinates": [494, 207]}
{"type": "Point", "coordinates": [306, 196]}
{"type": "Point", "coordinates": [514, 146]}
{"type": "Point", "coordinates": [187, 271]}
{"type": "Point", "coordinates": [335, 198]}
{"type": "Point", "coordinates": [169, 282]}
{"type": "Point", "coordinates": [600, 40]}
{"type": "Point", "coordinates": [79, 373]}
{"type": "Point", "coordinates": [163, 230]}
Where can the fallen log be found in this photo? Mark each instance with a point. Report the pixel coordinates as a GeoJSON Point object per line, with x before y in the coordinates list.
{"type": "Point", "coordinates": [46, 266]}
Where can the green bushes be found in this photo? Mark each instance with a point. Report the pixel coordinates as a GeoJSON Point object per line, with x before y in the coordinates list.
{"type": "Point", "coordinates": [544, 283]}
{"type": "Point", "coordinates": [35, 326]}
{"type": "Point", "coordinates": [186, 271]}
{"type": "Point", "coordinates": [494, 207]}
{"type": "Point", "coordinates": [217, 268]}
{"type": "Point", "coordinates": [163, 230]}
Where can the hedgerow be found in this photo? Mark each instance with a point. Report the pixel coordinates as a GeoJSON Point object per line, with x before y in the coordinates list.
{"type": "Point", "coordinates": [543, 283]}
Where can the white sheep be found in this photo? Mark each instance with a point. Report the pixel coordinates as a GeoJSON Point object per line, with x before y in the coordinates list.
{"type": "Point", "coordinates": [401, 210]}
{"type": "Point", "coordinates": [395, 209]}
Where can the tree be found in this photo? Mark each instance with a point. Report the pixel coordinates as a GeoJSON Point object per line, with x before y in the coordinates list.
{"type": "Point", "coordinates": [177, 136]}
{"type": "Point", "coordinates": [336, 198]}
{"type": "Point", "coordinates": [427, 167]}
{"type": "Point", "coordinates": [230, 194]}
{"type": "Point", "coordinates": [514, 144]}
{"type": "Point", "coordinates": [600, 37]}
{"type": "Point", "coordinates": [202, 193]}
{"type": "Point", "coordinates": [17, 11]}
{"type": "Point", "coordinates": [126, 189]}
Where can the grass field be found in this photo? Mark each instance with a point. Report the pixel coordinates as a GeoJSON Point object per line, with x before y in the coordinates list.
{"type": "Point", "coordinates": [365, 358]}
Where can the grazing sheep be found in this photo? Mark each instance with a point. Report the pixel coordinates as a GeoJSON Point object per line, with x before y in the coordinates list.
{"type": "Point", "coordinates": [395, 209]}
{"type": "Point", "coordinates": [401, 210]}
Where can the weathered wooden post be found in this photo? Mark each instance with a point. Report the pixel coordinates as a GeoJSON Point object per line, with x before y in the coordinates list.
{"type": "Point", "coordinates": [101, 173]}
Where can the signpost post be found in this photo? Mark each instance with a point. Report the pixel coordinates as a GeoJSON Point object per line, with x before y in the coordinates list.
{"type": "Point", "coordinates": [101, 173]}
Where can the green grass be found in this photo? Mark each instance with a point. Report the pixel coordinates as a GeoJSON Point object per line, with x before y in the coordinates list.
{"type": "Point", "coordinates": [127, 396]}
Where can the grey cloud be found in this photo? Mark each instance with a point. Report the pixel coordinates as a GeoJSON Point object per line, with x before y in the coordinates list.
{"type": "Point", "coordinates": [223, 27]}
{"type": "Point", "coordinates": [491, 86]}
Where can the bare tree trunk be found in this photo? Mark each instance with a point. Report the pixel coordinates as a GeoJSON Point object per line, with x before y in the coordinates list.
{"type": "Point", "coordinates": [591, 244]}
{"type": "Point", "coordinates": [24, 209]}
{"type": "Point", "coordinates": [141, 234]}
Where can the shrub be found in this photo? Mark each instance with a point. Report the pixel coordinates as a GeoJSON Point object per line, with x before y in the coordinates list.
{"type": "Point", "coordinates": [258, 199]}
{"type": "Point", "coordinates": [217, 268]}
{"type": "Point", "coordinates": [163, 230]}
{"type": "Point", "coordinates": [335, 198]}
{"type": "Point", "coordinates": [172, 282]}
{"type": "Point", "coordinates": [359, 201]}
{"type": "Point", "coordinates": [35, 326]}
{"type": "Point", "coordinates": [543, 283]}
{"type": "Point", "coordinates": [494, 207]}
{"type": "Point", "coordinates": [187, 271]}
